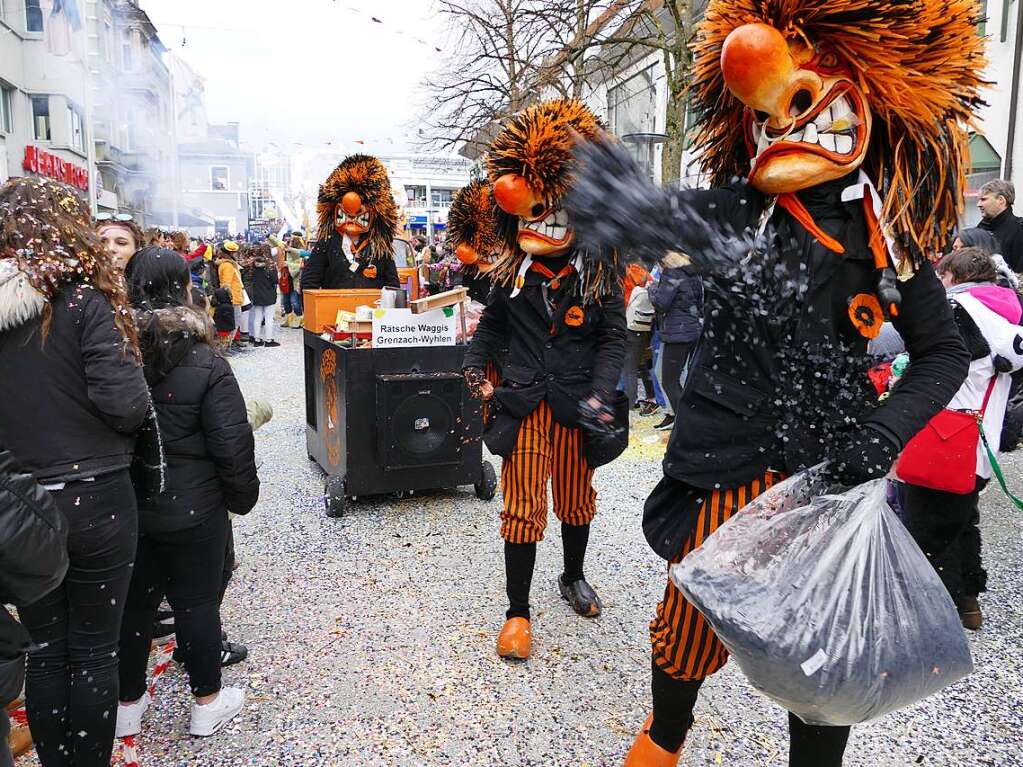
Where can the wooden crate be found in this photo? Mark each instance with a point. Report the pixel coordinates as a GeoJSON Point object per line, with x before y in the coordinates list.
{"type": "Point", "coordinates": [322, 306]}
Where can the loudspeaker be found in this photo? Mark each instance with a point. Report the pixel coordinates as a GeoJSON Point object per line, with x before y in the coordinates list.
{"type": "Point", "coordinates": [420, 420]}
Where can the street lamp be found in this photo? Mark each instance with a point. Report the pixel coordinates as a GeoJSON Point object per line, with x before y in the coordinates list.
{"type": "Point", "coordinates": [641, 146]}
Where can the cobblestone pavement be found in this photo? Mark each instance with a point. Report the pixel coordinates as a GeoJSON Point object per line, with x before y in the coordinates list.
{"type": "Point", "coordinates": [371, 637]}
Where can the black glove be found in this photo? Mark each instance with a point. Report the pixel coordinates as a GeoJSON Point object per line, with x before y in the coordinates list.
{"type": "Point", "coordinates": [866, 454]}
{"type": "Point", "coordinates": [597, 416]}
{"type": "Point", "coordinates": [474, 379]}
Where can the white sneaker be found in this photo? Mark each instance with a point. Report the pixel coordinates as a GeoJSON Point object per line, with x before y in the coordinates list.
{"type": "Point", "coordinates": [207, 719]}
{"type": "Point", "coordinates": [129, 717]}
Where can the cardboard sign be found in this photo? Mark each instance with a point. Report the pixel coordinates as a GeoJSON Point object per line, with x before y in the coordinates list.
{"type": "Point", "coordinates": [394, 328]}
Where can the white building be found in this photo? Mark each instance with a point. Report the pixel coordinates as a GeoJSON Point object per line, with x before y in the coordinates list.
{"type": "Point", "coordinates": [43, 93]}
{"type": "Point", "coordinates": [429, 183]}
{"type": "Point", "coordinates": [998, 152]}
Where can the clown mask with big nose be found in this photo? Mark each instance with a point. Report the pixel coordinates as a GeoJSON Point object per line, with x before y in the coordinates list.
{"type": "Point", "coordinates": [806, 121]}
{"type": "Point", "coordinates": [351, 217]}
{"type": "Point", "coordinates": [543, 225]}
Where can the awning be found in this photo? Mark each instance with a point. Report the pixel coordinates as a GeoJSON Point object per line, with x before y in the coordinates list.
{"type": "Point", "coordinates": [983, 157]}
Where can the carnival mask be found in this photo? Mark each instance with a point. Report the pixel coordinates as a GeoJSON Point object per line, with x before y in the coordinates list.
{"type": "Point", "coordinates": [543, 226]}
{"type": "Point", "coordinates": [806, 121]}
{"type": "Point", "coordinates": [351, 217]}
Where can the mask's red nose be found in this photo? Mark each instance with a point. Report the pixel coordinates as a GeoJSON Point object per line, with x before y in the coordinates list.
{"type": "Point", "coordinates": [758, 68]}
{"type": "Point", "coordinates": [351, 203]}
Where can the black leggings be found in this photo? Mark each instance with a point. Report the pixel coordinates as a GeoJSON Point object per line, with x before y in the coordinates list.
{"type": "Point", "coordinates": [674, 700]}
{"type": "Point", "coordinates": [637, 344]}
{"type": "Point", "coordinates": [71, 683]}
{"type": "Point", "coordinates": [187, 566]}
{"type": "Point", "coordinates": [944, 526]}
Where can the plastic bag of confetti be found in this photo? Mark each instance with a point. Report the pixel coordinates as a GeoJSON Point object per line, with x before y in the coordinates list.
{"type": "Point", "coordinates": [826, 602]}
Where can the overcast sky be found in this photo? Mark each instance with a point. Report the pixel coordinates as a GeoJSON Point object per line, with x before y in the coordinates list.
{"type": "Point", "coordinates": [310, 71]}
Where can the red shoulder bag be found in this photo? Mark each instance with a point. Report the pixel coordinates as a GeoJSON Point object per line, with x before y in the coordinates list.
{"type": "Point", "coordinates": [943, 455]}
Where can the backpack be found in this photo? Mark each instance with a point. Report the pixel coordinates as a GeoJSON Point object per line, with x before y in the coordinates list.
{"type": "Point", "coordinates": [639, 314]}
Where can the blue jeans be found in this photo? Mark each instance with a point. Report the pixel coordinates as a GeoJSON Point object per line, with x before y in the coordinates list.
{"type": "Point", "coordinates": [291, 303]}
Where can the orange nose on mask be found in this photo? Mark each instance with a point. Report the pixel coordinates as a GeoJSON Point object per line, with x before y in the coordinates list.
{"type": "Point", "coordinates": [514, 196]}
{"type": "Point", "coordinates": [758, 67]}
{"type": "Point", "coordinates": [351, 203]}
{"type": "Point", "coordinates": [466, 254]}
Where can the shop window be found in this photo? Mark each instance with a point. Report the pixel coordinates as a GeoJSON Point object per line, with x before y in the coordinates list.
{"type": "Point", "coordinates": [33, 16]}
{"type": "Point", "coordinates": [219, 178]}
{"type": "Point", "coordinates": [41, 117]}
{"type": "Point", "coordinates": [6, 109]}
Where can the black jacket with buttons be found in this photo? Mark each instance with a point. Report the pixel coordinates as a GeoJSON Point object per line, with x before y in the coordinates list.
{"type": "Point", "coordinates": [328, 268]}
{"type": "Point", "coordinates": [779, 377]}
{"type": "Point", "coordinates": [562, 355]}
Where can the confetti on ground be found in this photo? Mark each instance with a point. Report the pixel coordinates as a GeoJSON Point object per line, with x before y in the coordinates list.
{"type": "Point", "coordinates": [371, 636]}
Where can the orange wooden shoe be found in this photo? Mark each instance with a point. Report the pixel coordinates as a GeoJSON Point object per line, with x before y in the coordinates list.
{"type": "Point", "coordinates": [515, 639]}
{"type": "Point", "coordinates": [646, 753]}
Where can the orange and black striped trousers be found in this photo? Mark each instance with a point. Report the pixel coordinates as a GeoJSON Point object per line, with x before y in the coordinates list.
{"type": "Point", "coordinates": [684, 645]}
{"type": "Point", "coordinates": [545, 451]}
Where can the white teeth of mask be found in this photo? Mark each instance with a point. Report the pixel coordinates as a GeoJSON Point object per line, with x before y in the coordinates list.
{"type": "Point", "coordinates": [810, 134]}
{"type": "Point", "coordinates": [844, 144]}
{"type": "Point", "coordinates": [828, 141]}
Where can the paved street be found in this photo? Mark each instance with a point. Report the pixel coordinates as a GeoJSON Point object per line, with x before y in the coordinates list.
{"type": "Point", "coordinates": [371, 637]}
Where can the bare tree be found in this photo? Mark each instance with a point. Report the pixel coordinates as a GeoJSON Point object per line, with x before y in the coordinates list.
{"type": "Point", "coordinates": [624, 32]}
{"type": "Point", "coordinates": [492, 73]}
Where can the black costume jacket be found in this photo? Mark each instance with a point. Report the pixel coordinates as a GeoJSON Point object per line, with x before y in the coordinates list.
{"type": "Point", "coordinates": [779, 375]}
{"type": "Point", "coordinates": [329, 268]}
{"type": "Point", "coordinates": [560, 356]}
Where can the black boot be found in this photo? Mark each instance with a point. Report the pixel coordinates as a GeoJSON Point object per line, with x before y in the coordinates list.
{"type": "Point", "coordinates": [812, 746]}
{"type": "Point", "coordinates": [572, 583]}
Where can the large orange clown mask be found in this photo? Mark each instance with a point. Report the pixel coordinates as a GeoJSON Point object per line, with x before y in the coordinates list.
{"type": "Point", "coordinates": [806, 121]}
{"type": "Point", "coordinates": [543, 225]}
{"type": "Point", "coordinates": [352, 217]}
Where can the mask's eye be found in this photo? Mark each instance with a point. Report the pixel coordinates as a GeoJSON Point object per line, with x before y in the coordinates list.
{"type": "Point", "coordinates": [761, 117]}
{"type": "Point", "coordinates": [828, 60]}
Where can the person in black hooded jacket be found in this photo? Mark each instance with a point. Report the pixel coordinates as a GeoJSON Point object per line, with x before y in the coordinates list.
{"type": "Point", "coordinates": [210, 470]}
{"type": "Point", "coordinates": [34, 557]}
{"type": "Point", "coordinates": [72, 397]}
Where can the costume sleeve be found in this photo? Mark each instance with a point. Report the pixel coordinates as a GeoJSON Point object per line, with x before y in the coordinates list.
{"type": "Point", "coordinates": [229, 441]}
{"type": "Point", "coordinates": [116, 385]}
{"type": "Point", "coordinates": [491, 333]}
{"type": "Point", "coordinates": [939, 357]}
{"type": "Point", "coordinates": [613, 205]}
{"type": "Point", "coordinates": [610, 359]}
{"type": "Point", "coordinates": [316, 267]}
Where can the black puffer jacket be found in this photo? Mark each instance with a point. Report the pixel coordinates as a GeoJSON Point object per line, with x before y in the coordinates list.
{"type": "Point", "coordinates": [69, 408]}
{"type": "Point", "coordinates": [263, 276]}
{"type": "Point", "coordinates": [207, 440]}
{"type": "Point", "coordinates": [33, 561]}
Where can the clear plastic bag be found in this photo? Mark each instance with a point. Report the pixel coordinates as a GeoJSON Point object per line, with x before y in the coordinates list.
{"type": "Point", "coordinates": [826, 602]}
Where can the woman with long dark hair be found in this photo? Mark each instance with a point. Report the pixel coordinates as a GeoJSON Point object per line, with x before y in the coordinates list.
{"type": "Point", "coordinates": [210, 470]}
{"type": "Point", "coordinates": [72, 397]}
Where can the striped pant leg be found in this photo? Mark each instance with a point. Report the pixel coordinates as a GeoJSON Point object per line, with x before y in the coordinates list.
{"type": "Point", "coordinates": [524, 476]}
{"type": "Point", "coordinates": [684, 645]}
{"type": "Point", "coordinates": [575, 500]}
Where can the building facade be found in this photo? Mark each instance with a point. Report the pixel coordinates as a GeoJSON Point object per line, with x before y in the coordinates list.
{"type": "Point", "coordinates": [132, 112]}
{"type": "Point", "coordinates": [424, 186]}
{"type": "Point", "coordinates": [44, 130]}
{"type": "Point", "coordinates": [215, 177]}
